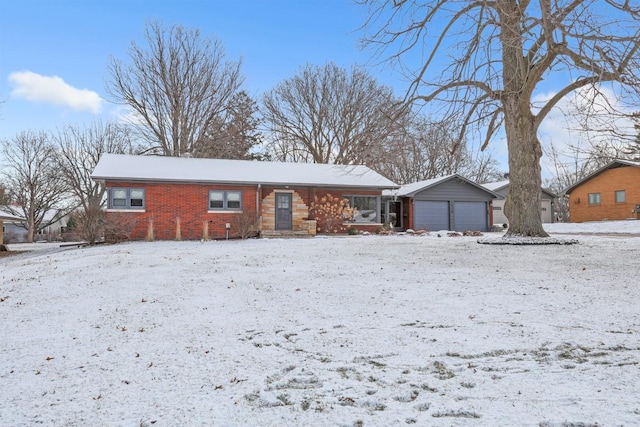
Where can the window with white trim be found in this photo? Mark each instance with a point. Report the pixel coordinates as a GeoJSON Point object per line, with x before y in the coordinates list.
{"type": "Point", "coordinates": [225, 200]}
{"type": "Point", "coordinates": [621, 196]}
{"type": "Point", "coordinates": [126, 198]}
{"type": "Point", "coordinates": [594, 198]}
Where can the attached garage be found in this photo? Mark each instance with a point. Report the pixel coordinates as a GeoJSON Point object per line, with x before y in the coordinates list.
{"type": "Point", "coordinates": [448, 203]}
{"type": "Point", "coordinates": [431, 215]}
{"type": "Point", "coordinates": [472, 216]}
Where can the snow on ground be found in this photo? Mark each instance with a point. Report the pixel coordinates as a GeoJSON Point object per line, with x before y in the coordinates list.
{"type": "Point", "coordinates": [352, 331]}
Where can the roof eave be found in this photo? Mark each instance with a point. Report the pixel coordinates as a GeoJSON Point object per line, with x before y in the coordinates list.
{"type": "Point", "coordinates": [592, 175]}
{"type": "Point", "coordinates": [251, 183]}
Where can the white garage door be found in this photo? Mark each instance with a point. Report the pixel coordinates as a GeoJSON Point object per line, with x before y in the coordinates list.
{"type": "Point", "coordinates": [546, 211]}
{"type": "Point", "coordinates": [433, 216]}
{"type": "Point", "coordinates": [470, 216]}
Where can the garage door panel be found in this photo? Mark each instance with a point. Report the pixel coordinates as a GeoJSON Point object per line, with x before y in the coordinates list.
{"type": "Point", "coordinates": [470, 216]}
{"type": "Point", "coordinates": [546, 211]}
{"type": "Point", "coordinates": [432, 215]}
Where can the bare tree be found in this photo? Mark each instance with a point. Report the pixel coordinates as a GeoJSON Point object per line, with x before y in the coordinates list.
{"type": "Point", "coordinates": [35, 184]}
{"type": "Point", "coordinates": [426, 149]}
{"type": "Point", "coordinates": [329, 115]}
{"type": "Point", "coordinates": [78, 150]}
{"type": "Point", "coordinates": [571, 163]}
{"type": "Point", "coordinates": [176, 85]}
{"type": "Point", "coordinates": [501, 50]}
{"type": "Point", "coordinates": [4, 195]}
{"type": "Point", "coordinates": [233, 134]}
{"type": "Point", "coordinates": [632, 150]}
{"type": "Point", "coordinates": [481, 167]}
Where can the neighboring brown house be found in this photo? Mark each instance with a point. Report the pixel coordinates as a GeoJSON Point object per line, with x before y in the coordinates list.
{"type": "Point", "coordinates": [188, 198]}
{"type": "Point", "coordinates": [610, 193]}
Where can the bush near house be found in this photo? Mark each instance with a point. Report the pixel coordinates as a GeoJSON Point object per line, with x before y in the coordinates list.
{"type": "Point", "coordinates": [119, 227]}
{"type": "Point", "coordinates": [330, 213]}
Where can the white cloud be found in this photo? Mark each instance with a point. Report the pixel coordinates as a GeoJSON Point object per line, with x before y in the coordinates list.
{"type": "Point", "coordinates": [126, 115]}
{"type": "Point", "coordinates": [580, 122]}
{"type": "Point", "coordinates": [53, 90]}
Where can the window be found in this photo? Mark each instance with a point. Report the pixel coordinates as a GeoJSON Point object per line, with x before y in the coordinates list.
{"type": "Point", "coordinates": [621, 196]}
{"type": "Point", "coordinates": [225, 200]}
{"type": "Point", "coordinates": [594, 198]}
{"type": "Point", "coordinates": [367, 208]}
{"type": "Point", "coordinates": [126, 198]}
{"type": "Point", "coordinates": [497, 208]}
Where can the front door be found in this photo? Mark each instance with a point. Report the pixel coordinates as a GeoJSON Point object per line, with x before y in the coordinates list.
{"type": "Point", "coordinates": [283, 211]}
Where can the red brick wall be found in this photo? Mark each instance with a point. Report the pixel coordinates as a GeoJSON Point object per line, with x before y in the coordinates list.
{"type": "Point", "coordinates": [407, 213]}
{"type": "Point", "coordinates": [625, 178]}
{"type": "Point", "coordinates": [164, 203]}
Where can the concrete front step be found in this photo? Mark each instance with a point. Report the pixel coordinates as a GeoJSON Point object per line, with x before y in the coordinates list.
{"type": "Point", "coordinates": [279, 234]}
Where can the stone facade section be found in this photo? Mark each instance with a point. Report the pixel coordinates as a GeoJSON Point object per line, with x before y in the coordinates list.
{"type": "Point", "coordinates": [300, 212]}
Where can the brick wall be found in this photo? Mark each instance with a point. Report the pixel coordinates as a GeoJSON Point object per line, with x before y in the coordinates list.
{"type": "Point", "coordinates": [165, 203]}
{"type": "Point", "coordinates": [407, 213]}
{"type": "Point", "coordinates": [625, 178]}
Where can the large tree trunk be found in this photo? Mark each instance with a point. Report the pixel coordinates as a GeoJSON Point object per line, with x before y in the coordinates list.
{"type": "Point", "coordinates": [31, 225]}
{"type": "Point", "coordinates": [523, 204]}
{"type": "Point", "coordinates": [525, 180]}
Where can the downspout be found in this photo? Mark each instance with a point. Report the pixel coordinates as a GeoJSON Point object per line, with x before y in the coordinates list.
{"type": "Point", "coordinates": [490, 215]}
{"type": "Point", "coordinates": [258, 210]}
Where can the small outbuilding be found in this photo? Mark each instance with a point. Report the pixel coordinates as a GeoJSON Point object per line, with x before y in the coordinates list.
{"type": "Point", "coordinates": [448, 203]}
{"type": "Point", "coordinates": [547, 202]}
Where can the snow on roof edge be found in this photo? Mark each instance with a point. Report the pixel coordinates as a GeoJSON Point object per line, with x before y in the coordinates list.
{"type": "Point", "coordinates": [172, 169]}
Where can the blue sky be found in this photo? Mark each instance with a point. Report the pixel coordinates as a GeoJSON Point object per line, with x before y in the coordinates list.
{"type": "Point", "coordinates": [73, 41]}
{"type": "Point", "coordinates": [54, 53]}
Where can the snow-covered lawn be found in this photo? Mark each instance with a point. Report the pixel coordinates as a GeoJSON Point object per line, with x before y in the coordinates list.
{"type": "Point", "coordinates": [349, 331]}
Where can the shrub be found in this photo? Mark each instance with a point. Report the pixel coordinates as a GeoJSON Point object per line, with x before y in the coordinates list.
{"type": "Point", "coordinates": [245, 224]}
{"type": "Point", "coordinates": [119, 227]}
{"type": "Point", "coordinates": [330, 213]}
{"type": "Point", "coordinates": [87, 224]}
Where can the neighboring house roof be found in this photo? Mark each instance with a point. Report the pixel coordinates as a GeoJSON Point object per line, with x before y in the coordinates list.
{"type": "Point", "coordinates": [611, 165]}
{"type": "Point", "coordinates": [410, 190]}
{"type": "Point", "coordinates": [116, 167]}
{"type": "Point", "coordinates": [5, 215]}
{"type": "Point", "coordinates": [496, 186]}
{"type": "Point", "coordinates": [501, 185]}
{"type": "Point", "coordinates": [49, 215]}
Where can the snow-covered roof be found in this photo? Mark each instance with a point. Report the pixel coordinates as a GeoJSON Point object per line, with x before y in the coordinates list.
{"type": "Point", "coordinates": [6, 215]}
{"type": "Point", "coordinates": [409, 190]}
{"type": "Point", "coordinates": [499, 185]}
{"type": "Point", "coordinates": [495, 186]}
{"type": "Point", "coordinates": [610, 165]}
{"type": "Point", "coordinates": [117, 167]}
